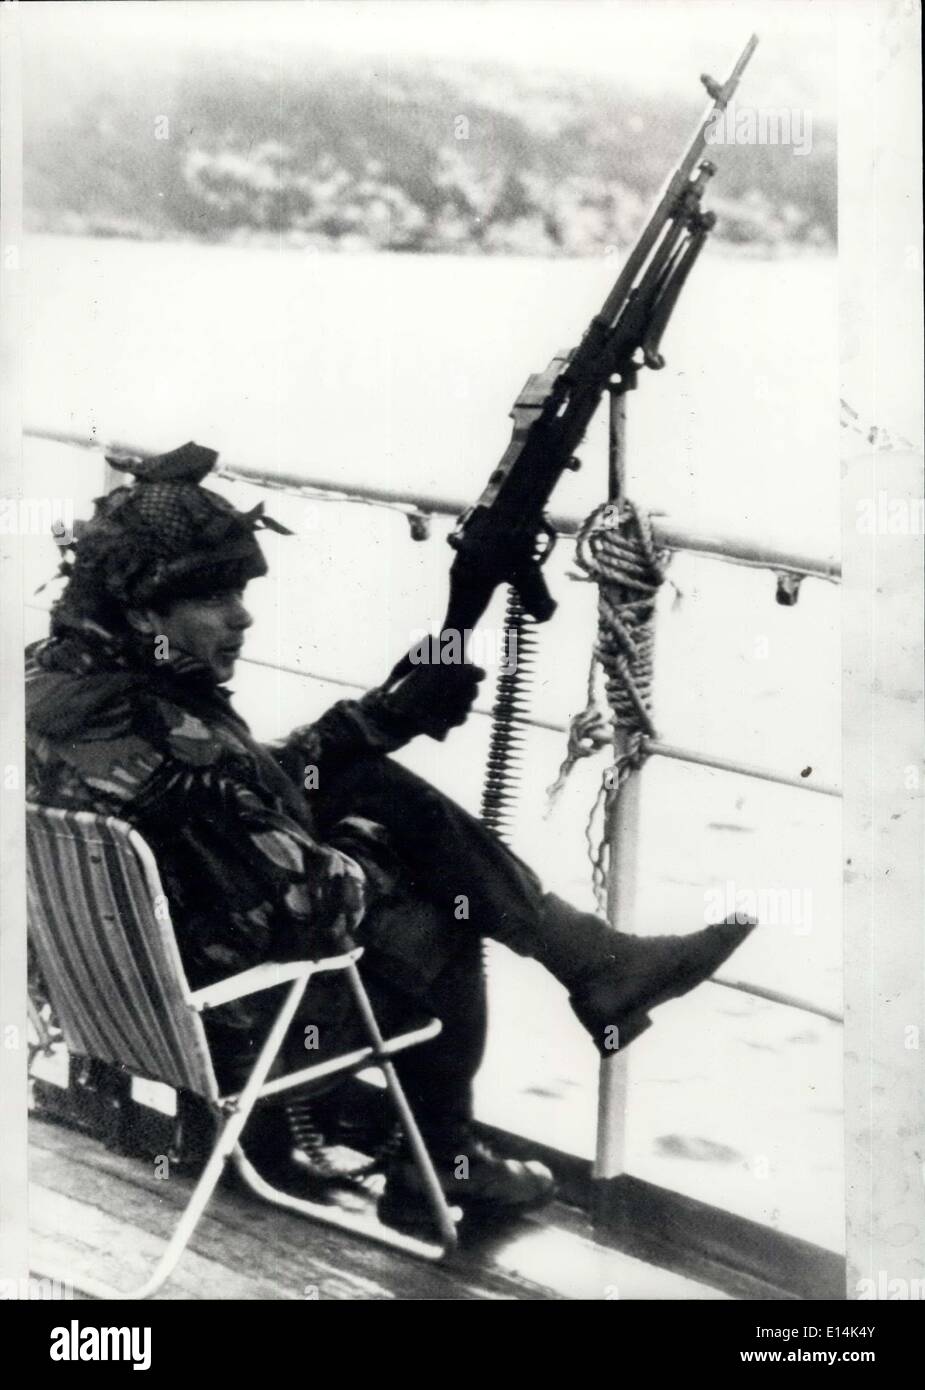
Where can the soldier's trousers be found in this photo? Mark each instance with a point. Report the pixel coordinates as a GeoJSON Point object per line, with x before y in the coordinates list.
{"type": "Point", "coordinates": [454, 883]}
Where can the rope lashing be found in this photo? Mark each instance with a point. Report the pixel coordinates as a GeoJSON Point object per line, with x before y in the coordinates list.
{"type": "Point", "coordinates": [615, 550]}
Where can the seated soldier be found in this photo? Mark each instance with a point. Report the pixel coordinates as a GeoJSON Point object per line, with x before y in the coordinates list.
{"type": "Point", "coordinates": [127, 715]}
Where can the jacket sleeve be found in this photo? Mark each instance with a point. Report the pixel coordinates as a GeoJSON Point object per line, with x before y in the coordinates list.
{"type": "Point", "coordinates": [349, 729]}
{"type": "Point", "coordinates": [248, 882]}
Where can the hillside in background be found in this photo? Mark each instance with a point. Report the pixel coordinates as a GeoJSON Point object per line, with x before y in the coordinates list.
{"type": "Point", "coordinates": [358, 155]}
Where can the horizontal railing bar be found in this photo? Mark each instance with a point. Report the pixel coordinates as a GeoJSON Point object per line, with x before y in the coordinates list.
{"type": "Point", "coordinates": [552, 725]}
{"type": "Point", "coordinates": [734, 550]}
{"type": "Point", "coordinates": [775, 996]}
{"type": "Point", "coordinates": [654, 746]}
{"type": "Point", "coordinates": [763, 774]}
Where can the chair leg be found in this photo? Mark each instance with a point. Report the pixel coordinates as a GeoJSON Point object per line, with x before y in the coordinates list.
{"type": "Point", "coordinates": [228, 1145]}
{"type": "Point", "coordinates": [354, 1223]}
{"type": "Point", "coordinates": [202, 1193]}
{"type": "Point", "coordinates": [435, 1195]}
{"type": "Point", "coordinates": [225, 1145]}
{"type": "Point", "coordinates": [358, 1223]}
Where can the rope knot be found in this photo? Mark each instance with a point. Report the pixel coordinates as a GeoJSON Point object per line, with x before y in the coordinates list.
{"type": "Point", "coordinates": [615, 549]}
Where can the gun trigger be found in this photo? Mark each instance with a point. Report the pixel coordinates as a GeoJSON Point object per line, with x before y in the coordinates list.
{"type": "Point", "coordinates": [546, 538]}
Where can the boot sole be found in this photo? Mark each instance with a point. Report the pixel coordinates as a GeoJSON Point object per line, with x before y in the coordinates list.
{"type": "Point", "coordinates": [410, 1213]}
{"type": "Point", "coordinates": [628, 1029]}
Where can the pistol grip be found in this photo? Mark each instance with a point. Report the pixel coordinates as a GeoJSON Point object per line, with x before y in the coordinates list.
{"type": "Point", "coordinates": [534, 593]}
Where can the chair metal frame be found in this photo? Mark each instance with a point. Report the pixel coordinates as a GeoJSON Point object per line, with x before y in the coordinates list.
{"type": "Point", "coordinates": [78, 828]}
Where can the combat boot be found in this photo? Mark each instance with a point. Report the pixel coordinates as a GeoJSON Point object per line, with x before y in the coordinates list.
{"type": "Point", "coordinates": [614, 979]}
{"type": "Point", "coordinates": [472, 1176]}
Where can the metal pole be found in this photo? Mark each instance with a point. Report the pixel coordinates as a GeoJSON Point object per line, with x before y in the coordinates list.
{"type": "Point", "coordinates": [621, 829]}
{"type": "Point", "coordinates": [616, 445]}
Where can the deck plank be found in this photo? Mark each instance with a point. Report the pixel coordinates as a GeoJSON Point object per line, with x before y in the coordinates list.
{"type": "Point", "coordinates": [106, 1215]}
{"type": "Point", "coordinates": [94, 1244]}
{"type": "Point", "coordinates": [281, 1250]}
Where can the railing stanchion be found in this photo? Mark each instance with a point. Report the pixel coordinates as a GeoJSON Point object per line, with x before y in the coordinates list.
{"type": "Point", "coordinates": [622, 832]}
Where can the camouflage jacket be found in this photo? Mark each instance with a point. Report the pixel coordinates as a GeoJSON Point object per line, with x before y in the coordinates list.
{"type": "Point", "coordinates": [158, 744]}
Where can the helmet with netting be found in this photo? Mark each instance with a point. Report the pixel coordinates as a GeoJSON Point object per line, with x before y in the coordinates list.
{"type": "Point", "coordinates": [162, 538]}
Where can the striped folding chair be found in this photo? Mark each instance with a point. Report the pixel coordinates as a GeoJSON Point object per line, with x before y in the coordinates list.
{"type": "Point", "coordinates": [105, 944]}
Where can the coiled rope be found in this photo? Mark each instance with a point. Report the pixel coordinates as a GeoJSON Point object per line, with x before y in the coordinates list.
{"type": "Point", "coordinates": [615, 550]}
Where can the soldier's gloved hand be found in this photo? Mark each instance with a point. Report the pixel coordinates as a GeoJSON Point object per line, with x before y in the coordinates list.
{"type": "Point", "coordinates": [433, 698]}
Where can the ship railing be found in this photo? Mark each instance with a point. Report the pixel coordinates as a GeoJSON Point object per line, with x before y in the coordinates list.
{"type": "Point", "coordinates": [790, 568]}
{"type": "Point", "coordinates": [421, 507]}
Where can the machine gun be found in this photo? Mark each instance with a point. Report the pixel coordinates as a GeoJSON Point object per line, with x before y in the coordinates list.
{"type": "Point", "coordinates": [506, 536]}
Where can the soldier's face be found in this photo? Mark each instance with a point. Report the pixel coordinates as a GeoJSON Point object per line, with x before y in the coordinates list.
{"type": "Point", "coordinates": [211, 629]}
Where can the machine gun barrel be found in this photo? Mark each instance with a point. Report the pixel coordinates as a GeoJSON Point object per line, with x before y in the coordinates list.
{"type": "Point", "coordinates": [674, 187]}
{"type": "Point", "coordinates": [505, 536]}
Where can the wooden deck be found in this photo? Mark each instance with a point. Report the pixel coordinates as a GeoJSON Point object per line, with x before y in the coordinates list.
{"type": "Point", "coordinates": [104, 1215]}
